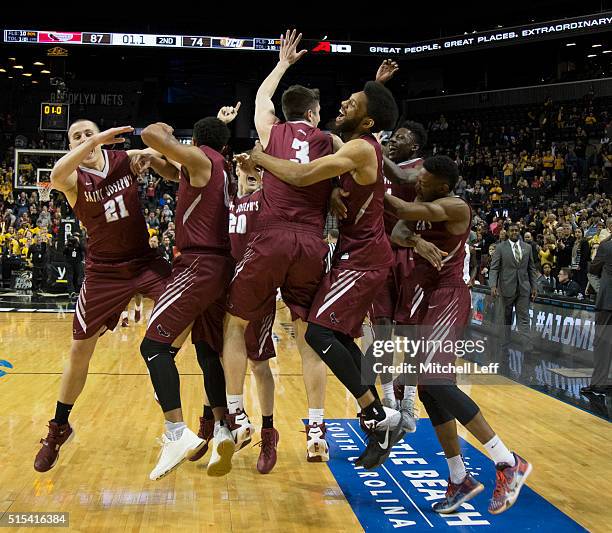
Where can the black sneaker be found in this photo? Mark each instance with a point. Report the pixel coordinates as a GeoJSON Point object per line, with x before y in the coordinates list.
{"type": "Point", "coordinates": [382, 436]}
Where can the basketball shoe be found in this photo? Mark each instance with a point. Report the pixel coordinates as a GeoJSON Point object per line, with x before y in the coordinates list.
{"type": "Point", "coordinates": [508, 483]}
{"type": "Point", "coordinates": [125, 322]}
{"type": "Point", "coordinates": [47, 456]}
{"type": "Point", "coordinates": [174, 452]}
{"type": "Point", "coordinates": [241, 428]}
{"type": "Point", "coordinates": [458, 494]}
{"type": "Point", "coordinates": [267, 455]}
{"type": "Point", "coordinates": [223, 448]}
{"type": "Point", "coordinates": [207, 428]}
{"type": "Point", "coordinates": [382, 435]}
{"type": "Point", "coordinates": [410, 414]}
{"type": "Point", "coordinates": [317, 450]}
{"type": "Point", "coordinates": [390, 403]}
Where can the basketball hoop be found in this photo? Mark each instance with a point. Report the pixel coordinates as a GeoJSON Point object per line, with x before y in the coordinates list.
{"type": "Point", "coordinates": [44, 190]}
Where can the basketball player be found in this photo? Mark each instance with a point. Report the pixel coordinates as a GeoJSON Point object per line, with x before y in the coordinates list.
{"type": "Point", "coordinates": [445, 220]}
{"type": "Point", "coordinates": [392, 305]}
{"type": "Point", "coordinates": [362, 259]}
{"type": "Point", "coordinates": [102, 189]}
{"type": "Point", "coordinates": [244, 211]}
{"type": "Point", "coordinates": [196, 290]}
{"type": "Point", "coordinates": [287, 249]}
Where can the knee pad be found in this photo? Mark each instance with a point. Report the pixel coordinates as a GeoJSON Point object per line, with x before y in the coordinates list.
{"type": "Point", "coordinates": [148, 348]}
{"type": "Point", "coordinates": [438, 415]}
{"type": "Point", "coordinates": [319, 337]}
{"type": "Point", "coordinates": [214, 376]}
{"type": "Point", "coordinates": [452, 399]}
{"type": "Point", "coordinates": [164, 375]}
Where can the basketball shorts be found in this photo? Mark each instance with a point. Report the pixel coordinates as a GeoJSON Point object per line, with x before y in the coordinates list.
{"type": "Point", "coordinates": [108, 288]}
{"type": "Point", "coordinates": [293, 261]}
{"type": "Point", "coordinates": [345, 298]}
{"type": "Point", "coordinates": [198, 281]}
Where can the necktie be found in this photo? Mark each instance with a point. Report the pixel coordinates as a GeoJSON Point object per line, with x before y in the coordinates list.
{"type": "Point", "coordinates": [517, 252]}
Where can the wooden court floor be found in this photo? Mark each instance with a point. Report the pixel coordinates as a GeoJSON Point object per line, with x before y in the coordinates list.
{"type": "Point", "coordinates": [102, 476]}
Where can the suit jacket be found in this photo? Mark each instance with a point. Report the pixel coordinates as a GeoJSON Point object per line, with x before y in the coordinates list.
{"type": "Point", "coordinates": [545, 286]}
{"type": "Point", "coordinates": [512, 278]}
{"type": "Point", "coordinates": [602, 266]}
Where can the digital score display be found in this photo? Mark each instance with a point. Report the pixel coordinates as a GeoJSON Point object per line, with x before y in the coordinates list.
{"type": "Point", "coordinates": [54, 116]}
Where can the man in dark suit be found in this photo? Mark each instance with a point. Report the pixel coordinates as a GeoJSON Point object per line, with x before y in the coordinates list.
{"type": "Point", "coordinates": [513, 275]}
{"type": "Point", "coordinates": [601, 381]}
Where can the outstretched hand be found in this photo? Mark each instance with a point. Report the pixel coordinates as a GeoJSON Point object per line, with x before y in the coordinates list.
{"type": "Point", "coordinates": [386, 71]}
{"type": "Point", "coordinates": [228, 113]}
{"type": "Point", "coordinates": [288, 50]}
{"type": "Point", "coordinates": [110, 136]}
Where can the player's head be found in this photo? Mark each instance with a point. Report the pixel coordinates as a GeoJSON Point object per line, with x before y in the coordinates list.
{"type": "Point", "coordinates": [211, 132]}
{"type": "Point", "coordinates": [371, 110]}
{"type": "Point", "coordinates": [247, 182]}
{"type": "Point", "coordinates": [407, 141]}
{"type": "Point", "coordinates": [78, 133]}
{"type": "Point", "coordinates": [302, 103]}
{"type": "Point", "coordinates": [437, 178]}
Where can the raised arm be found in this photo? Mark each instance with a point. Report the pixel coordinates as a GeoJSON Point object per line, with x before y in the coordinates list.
{"type": "Point", "coordinates": [356, 155]}
{"type": "Point", "coordinates": [159, 137]}
{"type": "Point", "coordinates": [265, 116]}
{"type": "Point", "coordinates": [64, 176]}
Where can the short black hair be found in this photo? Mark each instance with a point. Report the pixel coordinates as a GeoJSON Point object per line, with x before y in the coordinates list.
{"type": "Point", "coordinates": [382, 108]}
{"type": "Point", "coordinates": [418, 130]}
{"type": "Point", "coordinates": [211, 132]}
{"type": "Point", "coordinates": [443, 167]}
{"type": "Point", "coordinates": [297, 100]}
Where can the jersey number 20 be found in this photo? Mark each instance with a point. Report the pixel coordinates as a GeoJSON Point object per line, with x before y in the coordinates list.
{"type": "Point", "coordinates": [237, 224]}
{"type": "Point", "coordinates": [110, 209]}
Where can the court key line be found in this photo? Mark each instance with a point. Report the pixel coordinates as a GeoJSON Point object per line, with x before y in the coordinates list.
{"type": "Point", "coordinates": [394, 480]}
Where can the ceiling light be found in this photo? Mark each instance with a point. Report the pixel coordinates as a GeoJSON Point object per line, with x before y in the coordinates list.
{"type": "Point", "coordinates": [607, 52]}
{"type": "Point", "coordinates": [596, 45]}
{"type": "Point", "coordinates": [34, 81]}
{"type": "Point", "coordinates": [2, 70]}
{"type": "Point", "coordinates": [570, 44]}
{"type": "Point", "coordinates": [39, 64]}
{"type": "Point", "coordinates": [12, 59]}
{"type": "Point", "coordinates": [10, 77]}
{"type": "Point", "coordinates": [27, 74]}
{"type": "Point", "coordinates": [45, 71]}
{"type": "Point", "coordinates": [18, 66]}
{"type": "Point", "coordinates": [592, 55]}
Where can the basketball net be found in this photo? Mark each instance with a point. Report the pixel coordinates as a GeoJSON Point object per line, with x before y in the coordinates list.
{"type": "Point", "coordinates": [44, 190]}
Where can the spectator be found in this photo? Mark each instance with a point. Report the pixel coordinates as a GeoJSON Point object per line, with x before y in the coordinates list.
{"type": "Point", "coordinates": [44, 219]}
{"type": "Point", "coordinates": [547, 284]}
{"type": "Point", "coordinates": [580, 259]}
{"type": "Point", "coordinates": [566, 285]}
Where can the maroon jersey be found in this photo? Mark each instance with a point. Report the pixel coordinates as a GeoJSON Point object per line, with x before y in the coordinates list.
{"type": "Point", "coordinates": [109, 207]}
{"type": "Point", "coordinates": [451, 274]}
{"type": "Point", "coordinates": [402, 191]}
{"type": "Point", "coordinates": [363, 244]}
{"type": "Point", "coordinates": [244, 212]}
{"type": "Point", "coordinates": [286, 206]}
{"type": "Point", "coordinates": [202, 212]}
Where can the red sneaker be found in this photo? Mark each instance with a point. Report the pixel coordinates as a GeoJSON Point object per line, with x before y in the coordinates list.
{"type": "Point", "coordinates": [267, 455]}
{"type": "Point", "coordinates": [136, 315]}
{"type": "Point", "coordinates": [49, 453]}
{"type": "Point", "coordinates": [508, 483]}
{"type": "Point", "coordinates": [207, 428]}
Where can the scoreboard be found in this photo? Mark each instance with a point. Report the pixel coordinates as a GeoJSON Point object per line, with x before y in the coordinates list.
{"type": "Point", "coordinates": [540, 31]}
{"type": "Point", "coordinates": [54, 116]}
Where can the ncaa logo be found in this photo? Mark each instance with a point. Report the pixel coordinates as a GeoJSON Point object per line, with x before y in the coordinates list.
{"type": "Point", "coordinates": [331, 48]}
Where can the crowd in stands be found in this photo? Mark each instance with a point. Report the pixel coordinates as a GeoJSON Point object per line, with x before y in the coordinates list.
{"type": "Point", "coordinates": [547, 169]}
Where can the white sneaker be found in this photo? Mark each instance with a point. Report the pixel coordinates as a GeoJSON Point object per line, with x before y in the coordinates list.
{"type": "Point", "coordinates": [391, 403]}
{"type": "Point", "coordinates": [317, 449]}
{"type": "Point", "coordinates": [174, 452]}
{"type": "Point", "coordinates": [392, 420]}
{"type": "Point", "coordinates": [410, 415]}
{"type": "Point", "coordinates": [241, 428]}
{"type": "Point", "coordinates": [223, 448]}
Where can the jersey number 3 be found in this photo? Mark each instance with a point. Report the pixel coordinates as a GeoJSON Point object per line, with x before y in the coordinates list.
{"type": "Point", "coordinates": [110, 209]}
{"type": "Point", "coordinates": [302, 149]}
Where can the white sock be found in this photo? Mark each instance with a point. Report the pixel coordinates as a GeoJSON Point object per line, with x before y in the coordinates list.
{"type": "Point", "coordinates": [174, 430]}
{"type": "Point", "coordinates": [235, 402]}
{"type": "Point", "coordinates": [457, 469]}
{"type": "Point", "coordinates": [387, 389]}
{"type": "Point", "coordinates": [315, 415]}
{"type": "Point", "coordinates": [124, 314]}
{"type": "Point", "coordinates": [498, 452]}
{"type": "Point", "coordinates": [409, 392]}
{"type": "Point", "coordinates": [217, 427]}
